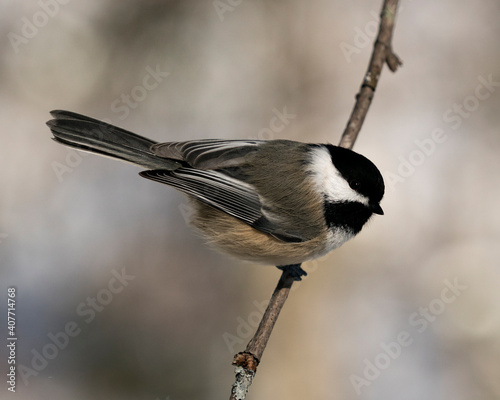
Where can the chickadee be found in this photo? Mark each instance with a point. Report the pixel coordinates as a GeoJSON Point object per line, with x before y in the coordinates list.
{"type": "Point", "coordinates": [276, 202]}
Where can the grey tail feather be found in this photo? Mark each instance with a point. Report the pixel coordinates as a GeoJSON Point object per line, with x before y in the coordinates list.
{"type": "Point", "coordinates": [88, 134]}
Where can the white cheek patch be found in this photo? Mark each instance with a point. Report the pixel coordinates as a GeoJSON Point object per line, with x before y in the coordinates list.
{"type": "Point", "coordinates": [329, 180]}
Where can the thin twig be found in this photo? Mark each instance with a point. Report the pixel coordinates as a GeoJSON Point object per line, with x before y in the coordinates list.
{"type": "Point", "coordinates": [246, 362]}
{"type": "Point", "coordinates": [382, 53]}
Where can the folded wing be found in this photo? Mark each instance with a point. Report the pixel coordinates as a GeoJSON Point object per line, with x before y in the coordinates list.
{"type": "Point", "coordinates": [209, 153]}
{"type": "Point", "coordinates": [224, 193]}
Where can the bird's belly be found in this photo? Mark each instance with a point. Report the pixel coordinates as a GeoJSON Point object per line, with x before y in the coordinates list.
{"type": "Point", "coordinates": [240, 240]}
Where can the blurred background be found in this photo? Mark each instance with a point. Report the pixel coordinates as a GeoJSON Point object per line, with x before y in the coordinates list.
{"type": "Point", "coordinates": [117, 298]}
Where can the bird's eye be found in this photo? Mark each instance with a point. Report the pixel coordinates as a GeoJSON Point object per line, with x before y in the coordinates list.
{"type": "Point", "coordinates": [354, 184]}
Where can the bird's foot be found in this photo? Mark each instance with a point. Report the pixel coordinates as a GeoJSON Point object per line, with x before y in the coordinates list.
{"type": "Point", "coordinates": [294, 270]}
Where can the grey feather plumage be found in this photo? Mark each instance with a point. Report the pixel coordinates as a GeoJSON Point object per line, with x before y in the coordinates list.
{"type": "Point", "coordinates": [88, 134]}
{"type": "Point", "coordinates": [225, 174]}
{"type": "Point", "coordinates": [208, 153]}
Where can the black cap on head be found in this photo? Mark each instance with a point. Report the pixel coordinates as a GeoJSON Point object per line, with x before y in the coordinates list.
{"type": "Point", "coordinates": [361, 174]}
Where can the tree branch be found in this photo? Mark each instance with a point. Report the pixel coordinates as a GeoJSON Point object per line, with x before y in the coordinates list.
{"type": "Point", "coordinates": [246, 362]}
{"type": "Point", "coordinates": [382, 53]}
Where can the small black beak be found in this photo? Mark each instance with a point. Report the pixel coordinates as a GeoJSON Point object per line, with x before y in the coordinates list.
{"type": "Point", "coordinates": [376, 209]}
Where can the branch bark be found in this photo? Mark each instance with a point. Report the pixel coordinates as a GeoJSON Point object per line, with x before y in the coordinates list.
{"type": "Point", "coordinates": [247, 361]}
{"type": "Point", "coordinates": [382, 54]}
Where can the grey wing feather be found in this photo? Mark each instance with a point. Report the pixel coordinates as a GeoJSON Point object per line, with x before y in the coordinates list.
{"type": "Point", "coordinates": [88, 134]}
{"type": "Point", "coordinates": [223, 193]}
{"type": "Point", "coordinates": [209, 153]}
{"type": "Point", "coordinates": [101, 128]}
{"type": "Point", "coordinates": [215, 189]}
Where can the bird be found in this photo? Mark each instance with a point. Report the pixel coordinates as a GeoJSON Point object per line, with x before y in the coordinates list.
{"type": "Point", "coordinates": [277, 202]}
